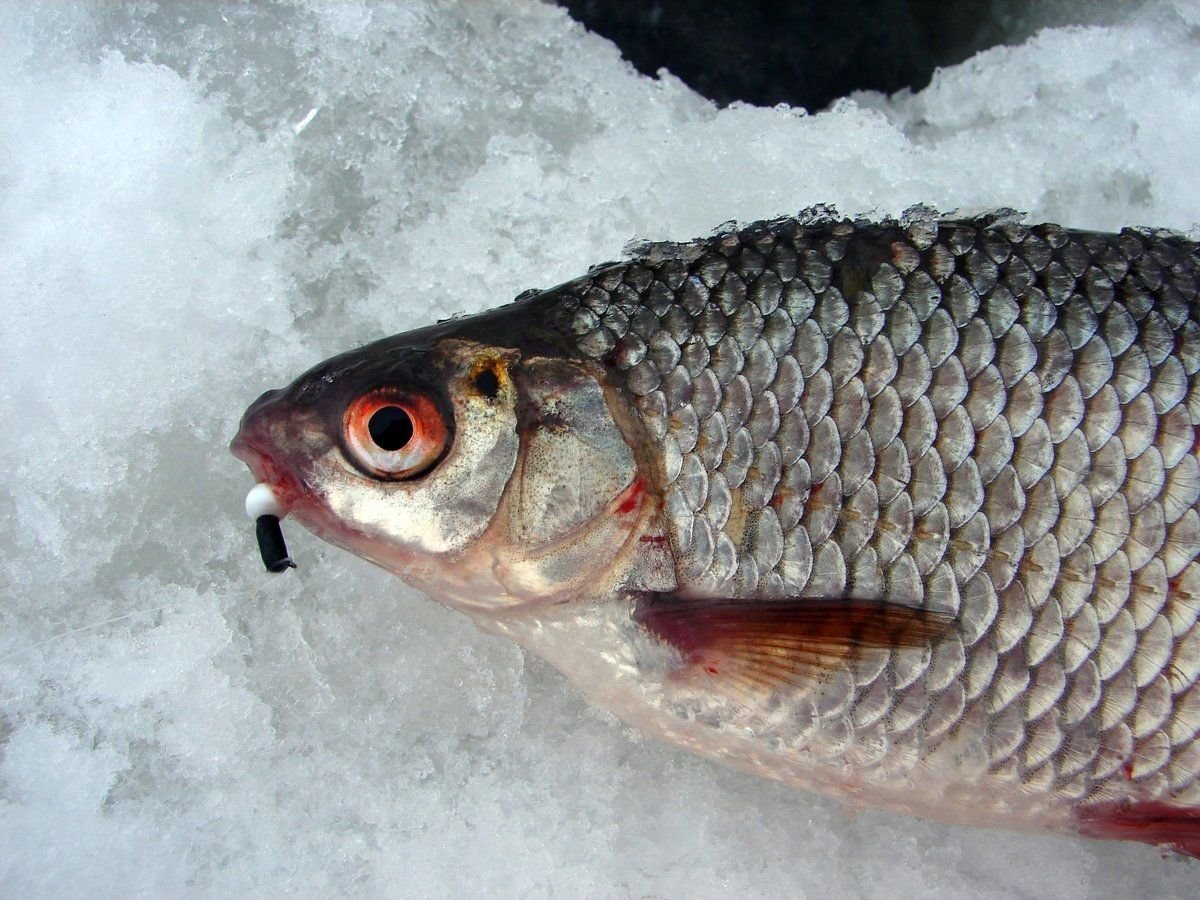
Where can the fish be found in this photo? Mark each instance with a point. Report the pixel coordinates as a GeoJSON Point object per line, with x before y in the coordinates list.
{"type": "Point", "coordinates": [903, 512]}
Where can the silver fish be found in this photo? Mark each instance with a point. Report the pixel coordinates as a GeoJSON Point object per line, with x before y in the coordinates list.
{"type": "Point", "coordinates": [904, 513]}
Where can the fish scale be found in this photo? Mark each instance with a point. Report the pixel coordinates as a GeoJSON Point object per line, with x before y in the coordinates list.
{"type": "Point", "coordinates": [978, 417]}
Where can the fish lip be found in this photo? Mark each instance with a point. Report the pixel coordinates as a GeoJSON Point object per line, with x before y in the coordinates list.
{"type": "Point", "coordinates": [253, 447]}
{"type": "Point", "coordinates": [289, 489]}
{"type": "Point", "coordinates": [252, 443]}
{"type": "Point", "coordinates": [245, 450]}
{"type": "Point", "coordinates": [260, 463]}
{"type": "Point", "coordinates": [249, 444]}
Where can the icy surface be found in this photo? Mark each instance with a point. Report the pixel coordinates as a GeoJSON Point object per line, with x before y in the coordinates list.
{"type": "Point", "coordinates": [196, 203]}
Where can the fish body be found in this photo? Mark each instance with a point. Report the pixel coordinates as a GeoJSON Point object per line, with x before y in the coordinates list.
{"type": "Point", "coordinates": [906, 513]}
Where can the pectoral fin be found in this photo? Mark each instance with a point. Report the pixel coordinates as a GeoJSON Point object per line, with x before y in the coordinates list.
{"type": "Point", "coordinates": [752, 644]}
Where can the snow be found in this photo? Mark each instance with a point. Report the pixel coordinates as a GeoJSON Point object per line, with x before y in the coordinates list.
{"type": "Point", "coordinates": [198, 202]}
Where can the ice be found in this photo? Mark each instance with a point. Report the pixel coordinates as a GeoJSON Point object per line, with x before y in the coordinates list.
{"type": "Point", "coordinates": [196, 203]}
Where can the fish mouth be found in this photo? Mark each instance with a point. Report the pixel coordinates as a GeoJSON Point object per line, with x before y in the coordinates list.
{"type": "Point", "coordinates": [288, 489]}
{"type": "Point", "coordinates": [254, 447]}
{"type": "Point", "coordinates": [256, 457]}
{"type": "Point", "coordinates": [251, 444]}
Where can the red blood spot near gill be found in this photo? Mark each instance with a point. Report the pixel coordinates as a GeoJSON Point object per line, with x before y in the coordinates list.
{"type": "Point", "coordinates": [658, 540]}
{"type": "Point", "coordinates": [710, 669]}
{"type": "Point", "coordinates": [780, 495]}
{"type": "Point", "coordinates": [1128, 770]}
{"type": "Point", "coordinates": [628, 501]}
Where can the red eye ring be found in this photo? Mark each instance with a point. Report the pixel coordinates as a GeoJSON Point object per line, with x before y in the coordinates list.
{"type": "Point", "coordinates": [393, 434]}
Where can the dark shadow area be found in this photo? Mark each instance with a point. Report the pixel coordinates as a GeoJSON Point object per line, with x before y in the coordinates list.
{"type": "Point", "coordinates": [810, 52]}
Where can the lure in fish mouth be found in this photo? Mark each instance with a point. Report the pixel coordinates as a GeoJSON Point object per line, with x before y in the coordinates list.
{"type": "Point", "coordinates": [904, 513]}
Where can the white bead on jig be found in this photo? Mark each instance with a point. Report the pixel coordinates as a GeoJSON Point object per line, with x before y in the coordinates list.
{"type": "Point", "coordinates": [261, 501]}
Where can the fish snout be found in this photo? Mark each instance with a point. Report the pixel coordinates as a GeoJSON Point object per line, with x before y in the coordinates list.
{"type": "Point", "coordinates": [253, 444]}
{"type": "Point", "coordinates": [257, 445]}
{"type": "Point", "coordinates": [265, 401]}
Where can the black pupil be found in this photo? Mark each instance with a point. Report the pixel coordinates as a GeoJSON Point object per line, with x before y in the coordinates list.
{"type": "Point", "coordinates": [391, 428]}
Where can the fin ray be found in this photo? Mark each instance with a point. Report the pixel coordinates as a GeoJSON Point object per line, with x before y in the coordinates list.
{"type": "Point", "coordinates": [1150, 822]}
{"type": "Point", "coordinates": [769, 643]}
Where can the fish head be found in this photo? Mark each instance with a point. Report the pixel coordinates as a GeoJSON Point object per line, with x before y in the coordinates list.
{"type": "Point", "coordinates": [489, 476]}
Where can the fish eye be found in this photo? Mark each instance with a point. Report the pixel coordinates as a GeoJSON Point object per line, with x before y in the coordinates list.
{"type": "Point", "coordinates": [393, 434]}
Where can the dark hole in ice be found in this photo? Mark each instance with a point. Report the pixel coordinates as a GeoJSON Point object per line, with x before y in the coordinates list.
{"type": "Point", "coordinates": [808, 53]}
